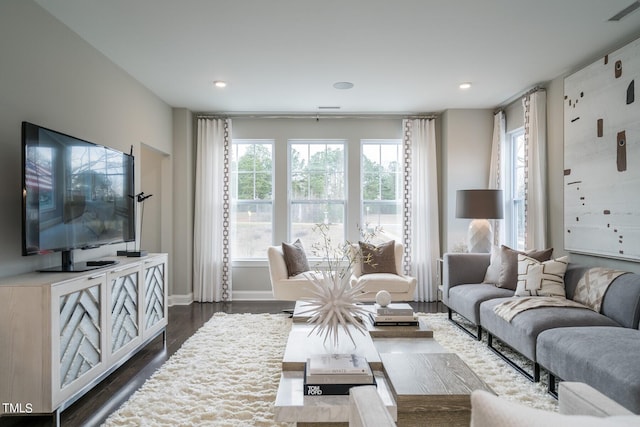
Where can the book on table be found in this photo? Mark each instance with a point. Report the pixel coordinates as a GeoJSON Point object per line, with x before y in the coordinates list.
{"type": "Point", "coordinates": [394, 309]}
{"type": "Point", "coordinates": [394, 320]}
{"type": "Point", "coordinates": [335, 374]}
{"type": "Point", "coordinates": [337, 364]}
{"type": "Point", "coordinates": [319, 389]}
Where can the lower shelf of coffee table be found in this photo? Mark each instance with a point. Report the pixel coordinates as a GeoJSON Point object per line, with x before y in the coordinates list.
{"type": "Point", "coordinates": [293, 406]}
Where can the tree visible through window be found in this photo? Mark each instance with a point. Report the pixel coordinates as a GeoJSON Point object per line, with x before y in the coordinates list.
{"type": "Point", "coordinates": [382, 185]}
{"type": "Point", "coordinates": [317, 189]}
{"type": "Point", "coordinates": [252, 198]}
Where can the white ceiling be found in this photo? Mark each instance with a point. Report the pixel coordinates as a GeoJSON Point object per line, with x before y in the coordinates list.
{"type": "Point", "coordinates": [403, 56]}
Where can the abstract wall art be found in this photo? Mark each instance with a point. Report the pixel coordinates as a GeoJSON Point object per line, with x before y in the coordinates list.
{"type": "Point", "coordinates": [602, 157]}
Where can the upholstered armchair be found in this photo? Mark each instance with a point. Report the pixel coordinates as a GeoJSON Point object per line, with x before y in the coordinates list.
{"type": "Point", "coordinates": [365, 273]}
{"type": "Point", "coordinates": [286, 288]}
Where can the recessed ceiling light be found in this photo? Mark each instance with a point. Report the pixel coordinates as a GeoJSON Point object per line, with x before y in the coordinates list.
{"type": "Point", "coordinates": [343, 85]}
{"type": "Point", "coordinates": [465, 85]}
{"type": "Point", "coordinates": [220, 83]}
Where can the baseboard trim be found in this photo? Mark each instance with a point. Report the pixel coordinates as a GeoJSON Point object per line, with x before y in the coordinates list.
{"type": "Point", "coordinates": [252, 295]}
{"type": "Point", "coordinates": [235, 295]}
{"type": "Point", "coordinates": [180, 299]}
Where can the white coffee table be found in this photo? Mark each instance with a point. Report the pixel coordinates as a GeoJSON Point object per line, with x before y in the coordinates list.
{"type": "Point", "coordinates": [293, 406]}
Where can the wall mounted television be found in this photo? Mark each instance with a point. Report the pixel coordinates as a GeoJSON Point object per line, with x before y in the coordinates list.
{"type": "Point", "coordinates": [75, 195]}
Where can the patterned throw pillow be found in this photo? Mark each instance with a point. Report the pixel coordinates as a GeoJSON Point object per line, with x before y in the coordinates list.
{"type": "Point", "coordinates": [509, 264]}
{"type": "Point", "coordinates": [295, 258]}
{"type": "Point", "coordinates": [378, 259]}
{"type": "Point", "coordinates": [541, 279]}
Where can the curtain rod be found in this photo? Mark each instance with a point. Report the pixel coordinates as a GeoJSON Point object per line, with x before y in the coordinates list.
{"type": "Point", "coordinates": [518, 97]}
{"type": "Point", "coordinates": [316, 116]}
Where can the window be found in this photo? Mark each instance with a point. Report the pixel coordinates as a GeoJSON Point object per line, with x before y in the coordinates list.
{"type": "Point", "coordinates": [251, 197]}
{"type": "Point", "coordinates": [381, 178]}
{"type": "Point", "coordinates": [515, 190]}
{"type": "Point", "coordinates": [317, 189]}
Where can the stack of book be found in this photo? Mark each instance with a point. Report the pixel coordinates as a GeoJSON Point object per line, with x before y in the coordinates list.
{"type": "Point", "coordinates": [331, 374]}
{"type": "Point", "coordinates": [394, 314]}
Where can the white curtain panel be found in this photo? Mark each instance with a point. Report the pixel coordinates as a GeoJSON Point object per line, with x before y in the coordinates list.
{"type": "Point", "coordinates": [422, 237]}
{"type": "Point", "coordinates": [496, 169]}
{"type": "Point", "coordinates": [211, 263]}
{"type": "Point", "coordinates": [535, 134]}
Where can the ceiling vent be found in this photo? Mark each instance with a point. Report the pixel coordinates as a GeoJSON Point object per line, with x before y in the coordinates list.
{"type": "Point", "coordinates": [626, 11]}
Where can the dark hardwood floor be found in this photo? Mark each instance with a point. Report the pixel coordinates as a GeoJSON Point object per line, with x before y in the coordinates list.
{"type": "Point", "coordinates": [95, 406]}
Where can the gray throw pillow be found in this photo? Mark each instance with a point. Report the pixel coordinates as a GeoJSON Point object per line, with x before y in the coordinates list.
{"type": "Point", "coordinates": [378, 259]}
{"type": "Point", "coordinates": [295, 258]}
{"type": "Point", "coordinates": [509, 261]}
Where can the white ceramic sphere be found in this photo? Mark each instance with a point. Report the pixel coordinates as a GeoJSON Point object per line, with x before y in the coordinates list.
{"type": "Point", "coordinates": [383, 298]}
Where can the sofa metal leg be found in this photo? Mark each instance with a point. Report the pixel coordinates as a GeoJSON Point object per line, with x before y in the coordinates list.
{"type": "Point", "coordinates": [477, 336]}
{"type": "Point", "coordinates": [551, 388]}
{"type": "Point", "coordinates": [535, 377]}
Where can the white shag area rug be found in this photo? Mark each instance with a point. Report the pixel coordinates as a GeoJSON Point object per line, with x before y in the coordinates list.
{"type": "Point", "coordinates": [227, 374]}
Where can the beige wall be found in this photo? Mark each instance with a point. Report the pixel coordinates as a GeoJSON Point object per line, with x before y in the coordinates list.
{"type": "Point", "coordinates": [51, 77]}
{"type": "Point", "coordinates": [466, 148]}
{"type": "Point", "coordinates": [184, 147]}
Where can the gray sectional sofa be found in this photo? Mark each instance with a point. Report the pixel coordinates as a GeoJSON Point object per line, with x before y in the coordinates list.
{"type": "Point", "coordinates": [572, 344]}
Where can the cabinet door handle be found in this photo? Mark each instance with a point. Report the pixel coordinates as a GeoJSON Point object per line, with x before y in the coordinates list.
{"type": "Point", "coordinates": [97, 276]}
{"type": "Point", "coordinates": [118, 270]}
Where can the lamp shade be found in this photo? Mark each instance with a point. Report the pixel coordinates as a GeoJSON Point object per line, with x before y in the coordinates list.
{"type": "Point", "coordinates": [479, 204]}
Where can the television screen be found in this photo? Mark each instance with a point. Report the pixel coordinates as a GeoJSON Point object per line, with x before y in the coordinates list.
{"type": "Point", "coordinates": [76, 194]}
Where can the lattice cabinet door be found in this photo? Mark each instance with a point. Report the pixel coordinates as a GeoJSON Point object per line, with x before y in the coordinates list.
{"type": "Point", "coordinates": [123, 302]}
{"type": "Point", "coordinates": [78, 339]}
{"type": "Point", "coordinates": [155, 295]}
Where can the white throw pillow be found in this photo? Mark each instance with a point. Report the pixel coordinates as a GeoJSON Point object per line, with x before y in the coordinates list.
{"type": "Point", "coordinates": [541, 279]}
{"type": "Point", "coordinates": [495, 265]}
{"type": "Point", "coordinates": [488, 410]}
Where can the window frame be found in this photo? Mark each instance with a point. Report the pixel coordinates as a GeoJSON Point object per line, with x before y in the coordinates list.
{"type": "Point", "coordinates": [233, 178]}
{"type": "Point", "coordinates": [513, 203]}
{"type": "Point", "coordinates": [345, 172]}
{"type": "Point", "coordinates": [399, 181]}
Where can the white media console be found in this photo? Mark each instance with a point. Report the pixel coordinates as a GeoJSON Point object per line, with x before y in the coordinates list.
{"type": "Point", "coordinates": [62, 333]}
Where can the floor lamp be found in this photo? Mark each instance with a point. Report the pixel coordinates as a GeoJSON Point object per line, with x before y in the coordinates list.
{"type": "Point", "coordinates": [480, 206]}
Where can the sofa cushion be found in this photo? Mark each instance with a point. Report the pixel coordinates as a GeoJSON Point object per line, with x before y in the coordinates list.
{"type": "Point", "coordinates": [522, 331]}
{"type": "Point", "coordinates": [465, 299]}
{"type": "Point", "coordinates": [375, 282]}
{"type": "Point", "coordinates": [509, 264]}
{"type": "Point", "coordinates": [621, 302]}
{"type": "Point", "coordinates": [538, 279]}
{"type": "Point", "coordinates": [488, 410]}
{"type": "Point", "coordinates": [295, 258]}
{"type": "Point", "coordinates": [606, 358]}
{"type": "Point", "coordinates": [378, 259]}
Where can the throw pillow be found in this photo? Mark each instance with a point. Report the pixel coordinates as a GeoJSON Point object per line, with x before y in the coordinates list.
{"type": "Point", "coordinates": [488, 410]}
{"type": "Point", "coordinates": [378, 259]}
{"type": "Point", "coordinates": [541, 279]}
{"type": "Point", "coordinates": [495, 265]}
{"type": "Point", "coordinates": [509, 264]}
{"type": "Point", "coordinates": [295, 258]}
